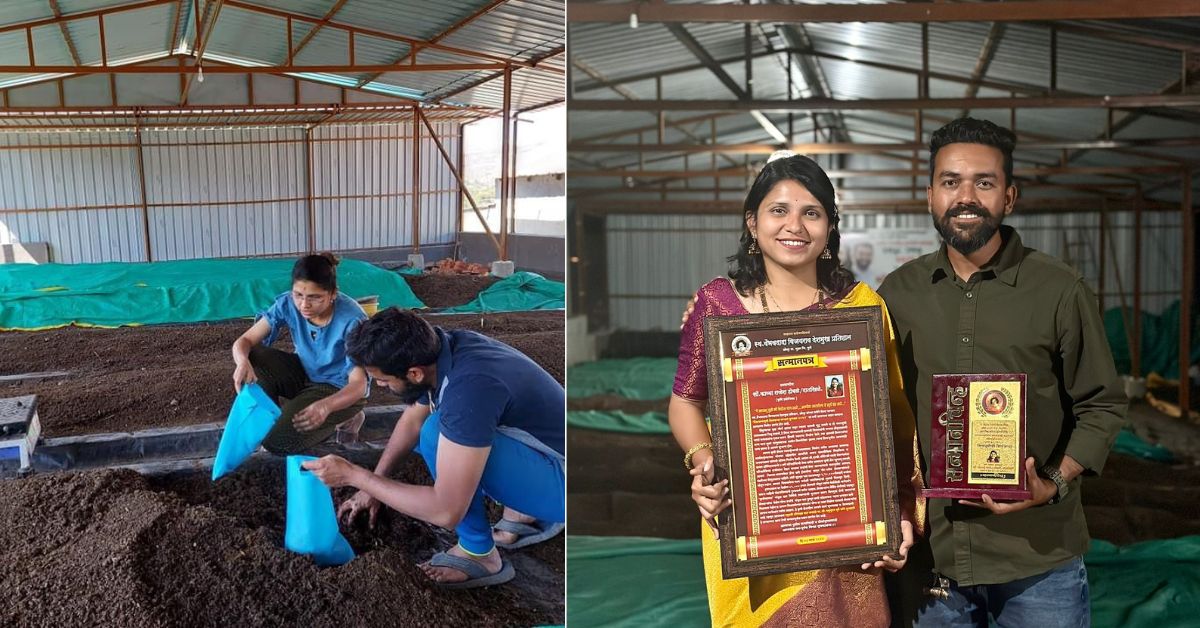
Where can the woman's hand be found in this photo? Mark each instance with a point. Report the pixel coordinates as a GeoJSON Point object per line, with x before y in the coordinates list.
{"type": "Point", "coordinates": [242, 375]}
{"type": "Point", "coordinates": [311, 417]}
{"type": "Point", "coordinates": [709, 497]}
{"type": "Point", "coordinates": [906, 542]}
{"type": "Point", "coordinates": [691, 307]}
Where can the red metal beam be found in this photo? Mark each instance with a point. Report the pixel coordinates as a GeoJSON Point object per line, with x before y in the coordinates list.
{"type": "Point", "coordinates": [1025, 11]}
{"type": "Point", "coordinates": [173, 36]}
{"type": "Point", "coordinates": [411, 41]}
{"type": "Point", "coordinates": [456, 171]}
{"type": "Point", "coordinates": [201, 43]}
{"type": "Point", "coordinates": [1188, 293]}
{"type": "Point", "coordinates": [317, 27]}
{"type": "Point", "coordinates": [82, 15]}
{"type": "Point", "coordinates": [416, 180]}
{"type": "Point", "coordinates": [440, 36]}
{"type": "Point", "coordinates": [829, 104]}
{"type": "Point", "coordinates": [243, 69]}
{"type": "Point", "coordinates": [66, 34]}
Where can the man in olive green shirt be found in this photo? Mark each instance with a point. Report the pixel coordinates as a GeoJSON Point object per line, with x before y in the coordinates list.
{"type": "Point", "coordinates": [984, 303]}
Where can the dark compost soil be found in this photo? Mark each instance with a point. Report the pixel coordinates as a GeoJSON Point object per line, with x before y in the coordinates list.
{"type": "Point", "coordinates": [116, 548]}
{"type": "Point", "coordinates": [135, 378]}
{"type": "Point", "coordinates": [444, 290]}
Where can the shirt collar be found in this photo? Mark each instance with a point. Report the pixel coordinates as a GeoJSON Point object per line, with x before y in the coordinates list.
{"type": "Point", "coordinates": [445, 360]}
{"type": "Point", "coordinates": [1004, 266]}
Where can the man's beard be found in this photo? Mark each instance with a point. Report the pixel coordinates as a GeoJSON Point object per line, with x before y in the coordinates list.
{"type": "Point", "coordinates": [973, 238]}
{"type": "Point", "coordinates": [412, 393]}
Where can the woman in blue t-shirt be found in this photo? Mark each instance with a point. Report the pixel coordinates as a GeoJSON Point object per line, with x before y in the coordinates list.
{"type": "Point", "coordinates": [321, 387]}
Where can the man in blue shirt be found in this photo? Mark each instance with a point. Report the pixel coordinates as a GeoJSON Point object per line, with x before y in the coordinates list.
{"type": "Point", "coordinates": [486, 419]}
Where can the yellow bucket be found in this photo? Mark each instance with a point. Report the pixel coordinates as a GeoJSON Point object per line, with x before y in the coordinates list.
{"type": "Point", "coordinates": [370, 304]}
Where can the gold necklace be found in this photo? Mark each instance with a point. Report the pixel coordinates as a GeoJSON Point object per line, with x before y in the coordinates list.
{"type": "Point", "coordinates": [818, 299]}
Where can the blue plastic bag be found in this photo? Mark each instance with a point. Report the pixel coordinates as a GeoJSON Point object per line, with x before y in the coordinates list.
{"type": "Point", "coordinates": [312, 526]}
{"type": "Point", "coordinates": [250, 419]}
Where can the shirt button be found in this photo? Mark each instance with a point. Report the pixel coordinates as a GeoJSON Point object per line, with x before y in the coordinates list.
{"type": "Point", "coordinates": [966, 340]}
{"type": "Point", "coordinates": [970, 295]}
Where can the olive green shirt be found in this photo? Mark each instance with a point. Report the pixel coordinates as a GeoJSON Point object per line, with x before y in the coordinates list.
{"type": "Point", "coordinates": [1025, 312]}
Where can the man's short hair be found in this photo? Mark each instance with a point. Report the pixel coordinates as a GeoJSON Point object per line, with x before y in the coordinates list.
{"type": "Point", "coordinates": [974, 131]}
{"type": "Point", "coordinates": [393, 341]}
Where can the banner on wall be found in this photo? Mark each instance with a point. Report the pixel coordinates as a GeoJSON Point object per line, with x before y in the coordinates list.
{"type": "Point", "coordinates": [873, 253]}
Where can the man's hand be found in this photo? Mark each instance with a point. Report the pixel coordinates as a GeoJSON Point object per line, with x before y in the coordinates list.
{"type": "Point", "coordinates": [710, 498]}
{"type": "Point", "coordinates": [311, 417]}
{"type": "Point", "coordinates": [242, 375]}
{"type": "Point", "coordinates": [1043, 490]}
{"type": "Point", "coordinates": [359, 502]}
{"type": "Point", "coordinates": [334, 471]}
{"type": "Point", "coordinates": [891, 564]}
{"type": "Point", "coordinates": [691, 307]}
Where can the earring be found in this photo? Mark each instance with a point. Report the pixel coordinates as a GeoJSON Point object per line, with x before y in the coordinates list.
{"type": "Point", "coordinates": [753, 249]}
{"type": "Point", "coordinates": [826, 254]}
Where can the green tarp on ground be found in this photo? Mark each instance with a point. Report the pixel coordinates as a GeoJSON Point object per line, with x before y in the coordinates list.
{"type": "Point", "coordinates": [617, 421]}
{"type": "Point", "coordinates": [1160, 341]}
{"type": "Point", "coordinates": [637, 581]}
{"type": "Point", "coordinates": [1131, 444]}
{"type": "Point", "coordinates": [1153, 584]}
{"type": "Point", "coordinates": [45, 296]}
{"type": "Point", "coordinates": [633, 378]}
{"type": "Point", "coordinates": [634, 581]}
{"type": "Point", "coordinates": [519, 292]}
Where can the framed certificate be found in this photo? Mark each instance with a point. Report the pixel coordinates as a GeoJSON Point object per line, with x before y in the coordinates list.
{"type": "Point", "coordinates": [977, 437]}
{"type": "Point", "coordinates": [802, 429]}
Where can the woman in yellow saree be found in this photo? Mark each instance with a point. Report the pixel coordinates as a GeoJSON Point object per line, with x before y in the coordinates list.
{"type": "Point", "coordinates": [787, 260]}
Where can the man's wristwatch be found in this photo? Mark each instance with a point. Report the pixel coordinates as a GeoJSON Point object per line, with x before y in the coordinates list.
{"type": "Point", "coordinates": [1054, 475]}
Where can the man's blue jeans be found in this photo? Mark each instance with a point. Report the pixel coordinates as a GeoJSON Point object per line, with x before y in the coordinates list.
{"type": "Point", "coordinates": [1056, 598]}
{"type": "Point", "coordinates": [517, 475]}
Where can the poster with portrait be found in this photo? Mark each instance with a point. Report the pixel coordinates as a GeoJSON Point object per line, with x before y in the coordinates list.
{"type": "Point", "coordinates": [872, 254]}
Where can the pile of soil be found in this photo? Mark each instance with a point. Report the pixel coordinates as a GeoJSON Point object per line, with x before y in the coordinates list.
{"type": "Point", "coordinates": [116, 548]}
{"type": "Point", "coordinates": [448, 290]}
{"type": "Point", "coordinates": [135, 378]}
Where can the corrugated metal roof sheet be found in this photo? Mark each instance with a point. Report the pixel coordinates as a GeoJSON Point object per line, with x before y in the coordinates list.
{"type": "Point", "coordinates": [519, 30]}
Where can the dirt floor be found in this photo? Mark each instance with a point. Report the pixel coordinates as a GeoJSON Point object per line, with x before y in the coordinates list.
{"type": "Point", "coordinates": [141, 377]}
{"type": "Point", "coordinates": [643, 491]}
{"type": "Point", "coordinates": [116, 548]}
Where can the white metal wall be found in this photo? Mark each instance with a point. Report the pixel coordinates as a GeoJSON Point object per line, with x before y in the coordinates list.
{"type": "Point", "coordinates": [655, 263]}
{"type": "Point", "coordinates": [239, 191]}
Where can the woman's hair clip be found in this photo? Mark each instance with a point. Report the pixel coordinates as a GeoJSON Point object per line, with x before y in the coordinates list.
{"type": "Point", "coordinates": [780, 154]}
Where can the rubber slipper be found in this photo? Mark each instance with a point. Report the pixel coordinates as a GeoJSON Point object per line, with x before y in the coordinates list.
{"type": "Point", "coordinates": [527, 534]}
{"type": "Point", "coordinates": [477, 574]}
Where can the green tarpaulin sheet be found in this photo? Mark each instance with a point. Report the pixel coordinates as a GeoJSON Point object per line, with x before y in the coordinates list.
{"type": "Point", "coordinates": [45, 296]}
{"type": "Point", "coordinates": [409, 270]}
{"type": "Point", "coordinates": [633, 378]}
{"type": "Point", "coordinates": [617, 421]}
{"type": "Point", "coordinates": [637, 581]}
{"type": "Point", "coordinates": [1130, 444]}
{"type": "Point", "coordinates": [1160, 341]}
{"type": "Point", "coordinates": [521, 291]}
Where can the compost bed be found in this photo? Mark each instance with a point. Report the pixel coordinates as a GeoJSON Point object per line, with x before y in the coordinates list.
{"type": "Point", "coordinates": [116, 548]}
{"type": "Point", "coordinates": [135, 378]}
{"type": "Point", "coordinates": [644, 490]}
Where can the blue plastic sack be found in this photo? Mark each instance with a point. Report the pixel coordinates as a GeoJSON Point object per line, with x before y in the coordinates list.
{"type": "Point", "coordinates": [251, 417]}
{"type": "Point", "coordinates": [312, 526]}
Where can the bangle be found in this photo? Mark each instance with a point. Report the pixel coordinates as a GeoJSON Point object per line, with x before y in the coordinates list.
{"type": "Point", "coordinates": [687, 458]}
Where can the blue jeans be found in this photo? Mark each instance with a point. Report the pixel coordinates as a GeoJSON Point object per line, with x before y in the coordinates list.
{"type": "Point", "coordinates": [1056, 598]}
{"type": "Point", "coordinates": [517, 475]}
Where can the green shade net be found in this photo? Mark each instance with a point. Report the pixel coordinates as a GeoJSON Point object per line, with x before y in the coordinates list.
{"type": "Point", "coordinates": [1160, 341]}
{"type": "Point", "coordinates": [409, 270]}
{"type": "Point", "coordinates": [618, 421]}
{"type": "Point", "coordinates": [519, 292]}
{"type": "Point", "coordinates": [43, 296]}
{"type": "Point", "coordinates": [635, 581]}
{"type": "Point", "coordinates": [1130, 444]}
{"type": "Point", "coordinates": [1153, 584]}
{"type": "Point", "coordinates": [633, 378]}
